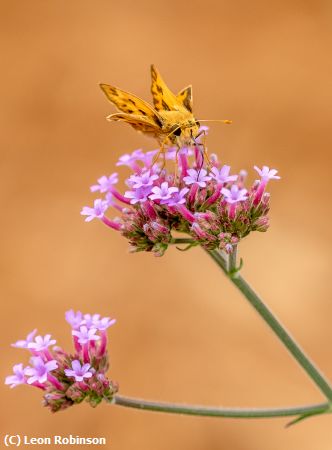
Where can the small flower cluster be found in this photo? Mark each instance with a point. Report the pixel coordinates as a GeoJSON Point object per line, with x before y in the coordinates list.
{"type": "Point", "coordinates": [198, 197]}
{"type": "Point", "coordinates": [69, 379]}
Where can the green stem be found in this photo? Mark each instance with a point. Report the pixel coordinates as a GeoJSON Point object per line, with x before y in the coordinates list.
{"type": "Point", "coordinates": [230, 269]}
{"type": "Point", "coordinates": [232, 260]}
{"type": "Point", "coordinates": [289, 342]}
{"type": "Point", "coordinates": [182, 241]}
{"type": "Point", "coordinates": [210, 411]}
{"type": "Point", "coordinates": [219, 259]}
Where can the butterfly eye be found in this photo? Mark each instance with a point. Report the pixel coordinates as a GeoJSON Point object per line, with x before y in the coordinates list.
{"type": "Point", "coordinates": [177, 132]}
{"type": "Point", "coordinates": [197, 123]}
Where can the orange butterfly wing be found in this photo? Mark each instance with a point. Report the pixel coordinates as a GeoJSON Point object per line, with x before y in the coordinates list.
{"type": "Point", "coordinates": [163, 97]}
{"type": "Point", "coordinates": [130, 104]}
{"type": "Point", "coordinates": [185, 97]}
{"type": "Point", "coordinates": [140, 123]}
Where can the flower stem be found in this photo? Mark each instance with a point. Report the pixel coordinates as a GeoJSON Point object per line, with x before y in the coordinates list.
{"type": "Point", "coordinates": [232, 259]}
{"type": "Point", "coordinates": [289, 342]}
{"type": "Point", "coordinates": [212, 411]}
{"type": "Point", "coordinates": [182, 241]}
{"type": "Point", "coordinates": [229, 267]}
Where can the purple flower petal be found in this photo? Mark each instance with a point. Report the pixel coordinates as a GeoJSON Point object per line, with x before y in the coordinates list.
{"type": "Point", "coordinates": [18, 377]}
{"type": "Point", "coordinates": [24, 343]}
{"type": "Point", "coordinates": [267, 174]}
{"type": "Point", "coordinates": [138, 195]}
{"type": "Point", "coordinates": [41, 343]}
{"type": "Point", "coordinates": [85, 334]}
{"type": "Point", "coordinates": [164, 192]}
{"type": "Point", "coordinates": [197, 177]}
{"type": "Point", "coordinates": [74, 319]}
{"type": "Point", "coordinates": [97, 212]}
{"type": "Point", "coordinates": [222, 175]}
{"type": "Point", "coordinates": [143, 180]}
{"type": "Point", "coordinates": [105, 183]}
{"type": "Point", "coordinates": [79, 372]}
{"type": "Point", "coordinates": [39, 371]}
{"type": "Point", "coordinates": [234, 194]}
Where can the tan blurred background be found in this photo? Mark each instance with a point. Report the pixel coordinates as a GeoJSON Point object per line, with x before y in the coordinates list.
{"type": "Point", "coordinates": [183, 333]}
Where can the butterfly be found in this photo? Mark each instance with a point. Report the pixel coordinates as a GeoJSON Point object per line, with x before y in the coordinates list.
{"type": "Point", "coordinates": [170, 120]}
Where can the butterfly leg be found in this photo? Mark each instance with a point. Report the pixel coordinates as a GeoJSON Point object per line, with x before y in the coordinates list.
{"type": "Point", "coordinates": [176, 165]}
{"type": "Point", "coordinates": [163, 151]}
{"type": "Point", "coordinates": [156, 157]}
{"type": "Point", "coordinates": [160, 151]}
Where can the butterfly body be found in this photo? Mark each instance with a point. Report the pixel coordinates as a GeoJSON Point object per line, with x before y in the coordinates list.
{"type": "Point", "coordinates": [170, 120]}
{"type": "Point", "coordinates": [180, 127]}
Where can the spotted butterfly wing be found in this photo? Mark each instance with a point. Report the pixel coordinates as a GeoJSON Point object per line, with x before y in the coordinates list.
{"type": "Point", "coordinates": [135, 111]}
{"type": "Point", "coordinates": [185, 97]}
{"type": "Point", "coordinates": [163, 97]}
{"type": "Point", "coordinates": [139, 123]}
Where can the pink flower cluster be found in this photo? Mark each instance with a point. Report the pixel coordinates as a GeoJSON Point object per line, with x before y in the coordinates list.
{"type": "Point", "coordinates": [195, 196]}
{"type": "Point", "coordinates": [68, 379]}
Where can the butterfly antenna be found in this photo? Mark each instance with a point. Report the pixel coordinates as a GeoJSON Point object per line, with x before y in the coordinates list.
{"type": "Point", "coordinates": [227, 122]}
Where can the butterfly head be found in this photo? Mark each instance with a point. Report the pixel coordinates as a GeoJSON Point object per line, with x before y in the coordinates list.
{"type": "Point", "coordinates": [181, 130]}
{"type": "Point", "coordinates": [189, 131]}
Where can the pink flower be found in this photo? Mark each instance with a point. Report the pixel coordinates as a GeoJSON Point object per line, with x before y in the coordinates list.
{"type": "Point", "coordinates": [163, 198]}
{"type": "Point", "coordinates": [163, 193]}
{"type": "Point", "coordinates": [234, 194]}
{"type": "Point", "coordinates": [24, 343]}
{"type": "Point", "coordinates": [41, 343]}
{"type": "Point", "coordinates": [131, 160]}
{"type": "Point", "coordinates": [86, 334]}
{"type": "Point", "coordinates": [74, 319]}
{"type": "Point", "coordinates": [40, 370]}
{"type": "Point", "coordinates": [178, 198]}
{"type": "Point", "coordinates": [145, 179]}
{"type": "Point", "coordinates": [79, 372]}
{"type": "Point", "coordinates": [105, 183]}
{"type": "Point", "coordinates": [222, 175]}
{"type": "Point", "coordinates": [197, 177]}
{"type": "Point", "coordinates": [97, 212]}
{"type": "Point", "coordinates": [67, 378]}
{"type": "Point", "coordinates": [267, 174]}
{"type": "Point", "coordinates": [105, 323]}
{"type": "Point", "coordinates": [138, 195]}
{"type": "Point", "coordinates": [91, 320]}
{"type": "Point", "coordinates": [18, 377]}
